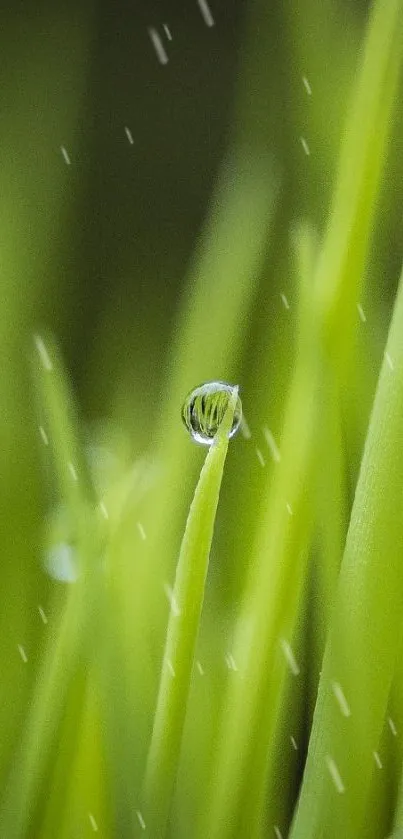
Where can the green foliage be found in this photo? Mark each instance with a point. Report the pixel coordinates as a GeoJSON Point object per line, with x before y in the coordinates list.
{"type": "Point", "coordinates": [178, 658]}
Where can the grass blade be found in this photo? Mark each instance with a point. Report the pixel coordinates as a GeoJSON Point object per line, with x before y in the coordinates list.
{"type": "Point", "coordinates": [182, 632]}
{"type": "Point", "coordinates": [366, 625]}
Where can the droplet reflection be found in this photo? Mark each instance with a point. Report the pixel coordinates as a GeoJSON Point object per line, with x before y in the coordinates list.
{"type": "Point", "coordinates": [204, 408]}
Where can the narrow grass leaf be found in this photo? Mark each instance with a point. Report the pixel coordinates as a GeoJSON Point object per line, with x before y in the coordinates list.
{"type": "Point", "coordinates": [182, 632]}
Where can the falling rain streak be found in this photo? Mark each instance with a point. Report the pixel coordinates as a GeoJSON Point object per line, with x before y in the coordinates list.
{"type": "Point", "coordinates": [290, 657]}
{"type": "Point", "coordinates": [158, 45]}
{"type": "Point", "coordinates": [341, 699]}
{"type": "Point", "coordinates": [361, 313]}
{"type": "Point", "coordinates": [377, 760]}
{"type": "Point", "coordinates": [104, 510]}
{"type": "Point", "coordinates": [274, 449]}
{"type": "Point", "coordinates": [141, 530]}
{"type": "Point", "coordinates": [93, 823]}
{"type": "Point", "coordinates": [172, 600]}
{"type": "Point", "coordinates": [305, 146]}
{"type": "Point", "coordinates": [65, 155]}
{"type": "Point", "coordinates": [140, 820]}
{"type": "Point", "coordinates": [335, 775]}
{"type": "Point", "coordinates": [22, 653]}
{"type": "Point", "coordinates": [206, 12]}
{"type": "Point", "coordinates": [42, 615]}
{"type": "Point", "coordinates": [44, 435]}
{"type": "Point", "coordinates": [73, 471]}
{"type": "Point", "coordinates": [307, 86]}
{"type": "Point", "coordinates": [43, 353]}
{"type": "Point", "coordinates": [129, 135]}
{"type": "Point", "coordinates": [230, 661]}
{"type": "Point", "coordinates": [171, 667]}
{"type": "Point", "coordinates": [392, 726]}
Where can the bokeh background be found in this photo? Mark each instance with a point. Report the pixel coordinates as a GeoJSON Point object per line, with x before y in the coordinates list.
{"type": "Point", "coordinates": [139, 203]}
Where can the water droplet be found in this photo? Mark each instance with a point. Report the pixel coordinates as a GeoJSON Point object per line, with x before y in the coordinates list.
{"type": "Point", "coordinates": [204, 408]}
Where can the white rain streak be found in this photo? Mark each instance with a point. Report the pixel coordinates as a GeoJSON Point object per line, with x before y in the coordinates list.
{"type": "Point", "coordinates": [335, 775]}
{"type": "Point", "coordinates": [294, 743]}
{"type": "Point", "coordinates": [172, 600]}
{"type": "Point", "coordinates": [277, 832]}
{"type": "Point", "coordinates": [377, 760]}
{"type": "Point", "coordinates": [200, 668]}
{"type": "Point", "coordinates": [72, 471]}
{"type": "Point", "coordinates": [43, 353]}
{"type": "Point", "coordinates": [274, 449]}
{"type": "Point", "coordinates": [341, 699]}
{"type": "Point", "coordinates": [244, 429]}
{"type": "Point", "coordinates": [305, 146]}
{"type": "Point", "coordinates": [231, 663]}
{"type": "Point", "coordinates": [260, 457]}
{"type": "Point", "coordinates": [392, 726]}
{"type": "Point", "coordinates": [361, 313]}
{"type": "Point", "coordinates": [42, 615]}
{"type": "Point", "coordinates": [66, 155]}
{"type": "Point", "coordinates": [129, 135]}
{"type": "Point", "coordinates": [22, 653]}
{"type": "Point", "coordinates": [141, 530]}
{"type": "Point", "coordinates": [140, 820]}
{"type": "Point", "coordinates": [389, 361]}
{"type": "Point", "coordinates": [290, 657]}
{"type": "Point", "coordinates": [289, 509]}
{"type": "Point", "coordinates": [285, 301]}
{"type": "Point", "coordinates": [171, 668]}
{"type": "Point", "coordinates": [93, 823]}
{"type": "Point", "coordinates": [307, 86]}
{"type": "Point", "coordinates": [104, 510]}
{"type": "Point", "coordinates": [206, 12]}
{"type": "Point", "coordinates": [158, 45]}
{"type": "Point", "coordinates": [43, 434]}
{"type": "Point", "coordinates": [167, 32]}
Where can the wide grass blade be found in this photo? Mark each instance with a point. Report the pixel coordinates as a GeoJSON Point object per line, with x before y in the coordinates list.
{"type": "Point", "coordinates": [365, 632]}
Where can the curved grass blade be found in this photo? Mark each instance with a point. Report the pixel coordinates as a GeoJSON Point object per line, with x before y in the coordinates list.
{"type": "Point", "coordinates": [365, 630]}
{"type": "Point", "coordinates": [64, 643]}
{"type": "Point", "coordinates": [340, 269]}
{"type": "Point", "coordinates": [182, 632]}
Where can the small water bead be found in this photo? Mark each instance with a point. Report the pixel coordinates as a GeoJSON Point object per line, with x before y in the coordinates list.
{"type": "Point", "coordinates": [204, 408]}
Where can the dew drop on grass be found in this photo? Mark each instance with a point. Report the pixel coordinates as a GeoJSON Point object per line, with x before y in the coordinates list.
{"type": "Point", "coordinates": [204, 408]}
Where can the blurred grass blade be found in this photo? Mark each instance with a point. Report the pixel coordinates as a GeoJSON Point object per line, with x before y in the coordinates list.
{"type": "Point", "coordinates": [61, 427]}
{"type": "Point", "coordinates": [272, 593]}
{"type": "Point", "coordinates": [345, 249]}
{"type": "Point", "coordinates": [187, 601]}
{"type": "Point", "coordinates": [19, 796]}
{"type": "Point", "coordinates": [64, 641]}
{"type": "Point", "coordinates": [365, 631]}
{"type": "Point", "coordinates": [278, 546]}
